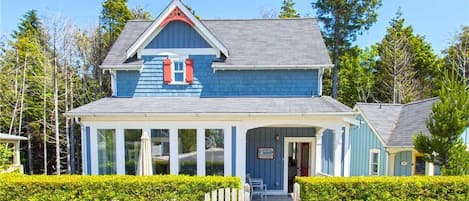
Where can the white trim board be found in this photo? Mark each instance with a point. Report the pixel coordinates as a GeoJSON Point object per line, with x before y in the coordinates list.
{"type": "Point", "coordinates": [312, 157]}
{"type": "Point", "coordinates": [199, 27]}
{"type": "Point", "coordinates": [178, 51]}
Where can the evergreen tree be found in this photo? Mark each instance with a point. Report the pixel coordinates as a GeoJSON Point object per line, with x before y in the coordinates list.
{"type": "Point", "coordinates": [342, 21]}
{"type": "Point", "coordinates": [114, 15]}
{"type": "Point", "coordinates": [357, 75]}
{"type": "Point", "coordinates": [407, 66]}
{"type": "Point", "coordinates": [287, 10]}
{"type": "Point", "coordinates": [447, 121]}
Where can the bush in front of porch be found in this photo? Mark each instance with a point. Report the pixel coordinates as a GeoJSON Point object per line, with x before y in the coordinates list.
{"type": "Point", "coordinates": [384, 188]}
{"type": "Point", "coordinates": [66, 187]}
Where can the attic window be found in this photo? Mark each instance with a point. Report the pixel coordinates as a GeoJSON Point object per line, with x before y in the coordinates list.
{"type": "Point", "coordinates": [178, 70]}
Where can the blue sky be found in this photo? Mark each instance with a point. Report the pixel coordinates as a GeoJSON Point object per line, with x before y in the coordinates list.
{"type": "Point", "coordinates": [437, 20]}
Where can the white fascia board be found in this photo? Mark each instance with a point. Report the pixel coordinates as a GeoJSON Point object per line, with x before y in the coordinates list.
{"type": "Point", "coordinates": [154, 26]}
{"type": "Point", "coordinates": [268, 67]}
{"type": "Point", "coordinates": [180, 51]}
{"type": "Point", "coordinates": [345, 114]}
{"type": "Point", "coordinates": [352, 121]}
{"type": "Point", "coordinates": [122, 67]}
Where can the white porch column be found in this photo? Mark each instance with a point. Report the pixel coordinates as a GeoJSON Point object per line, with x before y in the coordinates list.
{"type": "Point", "coordinates": [241, 155]}
{"type": "Point", "coordinates": [337, 151]}
{"type": "Point", "coordinates": [173, 151]}
{"type": "Point", "coordinates": [16, 157]}
{"type": "Point", "coordinates": [120, 151]}
{"type": "Point", "coordinates": [227, 150]}
{"type": "Point", "coordinates": [84, 164]}
{"type": "Point", "coordinates": [429, 169]}
{"type": "Point", "coordinates": [319, 150]}
{"type": "Point", "coordinates": [347, 154]}
{"type": "Point", "coordinates": [94, 151]}
{"type": "Point", "coordinates": [391, 159]}
{"type": "Point", "coordinates": [200, 151]}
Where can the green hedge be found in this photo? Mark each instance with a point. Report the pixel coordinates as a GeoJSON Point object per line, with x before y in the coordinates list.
{"type": "Point", "coordinates": [24, 187]}
{"type": "Point", "coordinates": [384, 188]}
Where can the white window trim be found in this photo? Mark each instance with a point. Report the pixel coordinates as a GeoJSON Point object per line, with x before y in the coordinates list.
{"type": "Point", "coordinates": [370, 162]}
{"type": "Point", "coordinates": [173, 70]}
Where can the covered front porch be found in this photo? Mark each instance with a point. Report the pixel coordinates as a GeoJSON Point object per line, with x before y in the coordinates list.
{"type": "Point", "coordinates": [406, 161]}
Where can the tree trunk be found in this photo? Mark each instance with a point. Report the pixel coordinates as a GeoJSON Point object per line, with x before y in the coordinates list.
{"type": "Point", "coordinates": [56, 111]}
{"type": "Point", "coordinates": [44, 117]}
{"type": "Point", "coordinates": [336, 55]}
{"type": "Point", "coordinates": [30, 159]}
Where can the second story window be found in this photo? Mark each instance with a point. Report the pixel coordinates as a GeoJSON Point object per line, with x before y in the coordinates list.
{"type": "Point", "coordinates": [178, 71]}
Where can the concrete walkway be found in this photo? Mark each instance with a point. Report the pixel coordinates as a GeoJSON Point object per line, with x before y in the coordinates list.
{"type": "Point", "coordinates": [274, 198]}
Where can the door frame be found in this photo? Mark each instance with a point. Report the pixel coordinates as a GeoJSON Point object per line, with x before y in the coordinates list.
{"type": "Point", "coordinates": [312, 155]}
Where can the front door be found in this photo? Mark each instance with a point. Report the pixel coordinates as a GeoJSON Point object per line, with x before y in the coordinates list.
{"type": "Point", "coordinates": [304, 169]}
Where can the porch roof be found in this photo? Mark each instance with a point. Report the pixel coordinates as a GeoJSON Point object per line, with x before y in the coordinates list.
{"type": "Point", "coordinates": [189, 105]}
{"type": "Point", "coordinates": [11, 137]}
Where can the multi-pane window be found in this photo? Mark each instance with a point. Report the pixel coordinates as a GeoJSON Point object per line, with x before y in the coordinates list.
{"type": "Point", "coordinates": [132, 149]}
{"type": "Point", "coordinates": [106, 151]}
{"type": "Point", "coordinates": [178, 71]}
{"type": "Point", "coordinates": [187, 139]}
{"type": "Point", "coordinates": [214, 152]}
{"type": "Point", "coordinates": [160, 150]}
{"type": "Point", "coordinates": [374, 162]}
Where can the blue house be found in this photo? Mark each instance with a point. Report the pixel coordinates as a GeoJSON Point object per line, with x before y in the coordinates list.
{"type": "Point", "coordinates": [218, 97]}
{"type": "Point", "coordinates": [382, 144]}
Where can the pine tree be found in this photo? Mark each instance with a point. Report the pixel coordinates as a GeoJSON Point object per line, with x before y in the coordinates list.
{"type": "Point", "coordinates": [287, 10]}
{"type": "Point", "coordinates": [447, 121]}
{"type": "Point", "coordinates": [342, 21]}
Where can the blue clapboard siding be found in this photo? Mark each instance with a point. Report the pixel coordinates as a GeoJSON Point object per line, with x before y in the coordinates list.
{"type": "Point", "coordinates": [362, 140]}
{"type": "Point", "coordinates": [271, 171]}
{"type": "Point", "coordinates": [401, 170]}
{"type": "Point", "coordinates": [207, 83]}
{"type": "Point", "coordinates": [178, 34]}
{"type": "Point", "coordinates": [327, 152]}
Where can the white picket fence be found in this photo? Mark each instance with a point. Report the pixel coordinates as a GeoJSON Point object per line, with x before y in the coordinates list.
{"type": "Point", "coordinates": [227, 194]}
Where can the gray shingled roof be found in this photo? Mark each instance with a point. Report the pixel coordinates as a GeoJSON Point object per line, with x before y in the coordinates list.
{"type": "Point", "coordinates": [267, 42]}
{"type": "Point", "coordinates": [130, 33]}
{"type": "Point", "coordinates": [397, 123]}
{"type": "Point", "coordinates": [271, 41]}
{"type": "Point", "coordinates": [182, 105]}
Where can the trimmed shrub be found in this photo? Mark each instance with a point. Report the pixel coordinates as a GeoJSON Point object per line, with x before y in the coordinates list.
{"type": "Point", "coordinates": [65, 187]}
{"type": "Point", "coordinates": [384, 188]}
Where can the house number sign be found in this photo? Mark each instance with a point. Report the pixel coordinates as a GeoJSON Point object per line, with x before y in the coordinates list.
{"type": "Point", "coordinates": [265, 153]}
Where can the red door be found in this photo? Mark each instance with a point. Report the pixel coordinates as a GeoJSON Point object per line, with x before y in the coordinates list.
{"type": "Point", "coordinates": [304, 159]}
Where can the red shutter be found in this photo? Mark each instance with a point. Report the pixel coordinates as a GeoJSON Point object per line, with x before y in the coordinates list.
{"type": "Point", "coordinates": [167, 71]}
{"type": "Point", "coordinates": [189, 71]}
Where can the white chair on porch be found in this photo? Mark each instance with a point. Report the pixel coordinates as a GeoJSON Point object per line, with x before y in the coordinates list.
{"type": "Point", "coordinates": [257, 187]}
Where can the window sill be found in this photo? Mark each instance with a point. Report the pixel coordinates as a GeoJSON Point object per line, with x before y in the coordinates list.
{"type": "Point", "coordinates": [178, 83]}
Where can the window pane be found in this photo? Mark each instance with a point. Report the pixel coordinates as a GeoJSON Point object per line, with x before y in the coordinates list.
{"type": "Point", "coordinates": [375, 169]}
{"type": "Point", "coordinates": [160, 150]}
{"type": "Point", "coordinates": [187, 151]}
{"type": "Point", "coordinates": [375, 157]}
{"type": "Point", "coordinates": [179, 77]}
{"type": "Point", "coordinates": [214, 152]}
{"type": "Point", "coordinates": [132, 149]}
{"type": "Point", "coordinates": [107, 151]}
{"type": "Point", "coordinates": [419, 165]}
{"type": "Point", "coordinates": [178, 66]}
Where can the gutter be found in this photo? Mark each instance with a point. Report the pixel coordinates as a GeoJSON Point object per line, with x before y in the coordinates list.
{"type": "Point", "coordinates": [268, 67]}
{"type": "Point", "coordinates": [143, 114]}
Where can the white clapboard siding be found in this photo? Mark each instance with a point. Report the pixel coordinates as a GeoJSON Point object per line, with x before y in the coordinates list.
{"type": "Point", "coordinates": [227, 194]}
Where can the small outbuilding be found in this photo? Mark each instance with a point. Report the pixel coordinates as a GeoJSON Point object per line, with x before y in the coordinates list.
{"type": "Point", "coordinates": [14, 142]}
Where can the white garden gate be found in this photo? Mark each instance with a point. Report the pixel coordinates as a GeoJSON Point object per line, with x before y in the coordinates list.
{"type": "Point", "coordinates": [233, 194]}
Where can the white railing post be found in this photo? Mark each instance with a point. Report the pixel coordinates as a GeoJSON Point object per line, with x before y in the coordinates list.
{"type": "Point", "coordinates": [296, 192]}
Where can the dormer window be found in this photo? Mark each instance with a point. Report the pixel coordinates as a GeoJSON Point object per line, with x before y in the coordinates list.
{"type": "Point", "coordinates": [178, 70]}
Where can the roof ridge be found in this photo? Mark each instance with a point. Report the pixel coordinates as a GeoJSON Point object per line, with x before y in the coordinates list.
{"type": "Point", "coordinates": [140, 20]}
{"type": "Point", "coordinates": [260, 19]}
{"type": "Point", "coordinates": [386, 104]}
{"type": "Point", "coordinates": [421, 101]}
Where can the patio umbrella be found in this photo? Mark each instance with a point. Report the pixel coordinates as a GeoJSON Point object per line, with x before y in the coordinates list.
{"type": "Point", "coordinates": [144, 160]}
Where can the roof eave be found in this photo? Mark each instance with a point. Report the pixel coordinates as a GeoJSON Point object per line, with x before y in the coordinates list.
{"type": "Point", "coordinates": [122, 67]}
{"type": "Point", "coordinates": [216, 66]}
{"type": "Point", "coordinates": [144, 114]}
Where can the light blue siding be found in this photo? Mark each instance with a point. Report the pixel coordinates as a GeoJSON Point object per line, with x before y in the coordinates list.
{"type": "Point", "coordinates": [271, 171]}
{"type": "Point", "coordinates": [178, 34]}
{"type": "Point", "coordinates": [207, 83]}
{"type": "Point", "coordinates": [362, 140]}
{"type": "Point", "coordinates": [401, 170]}
{"type": "Point", "coordinates": [327, 152]}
